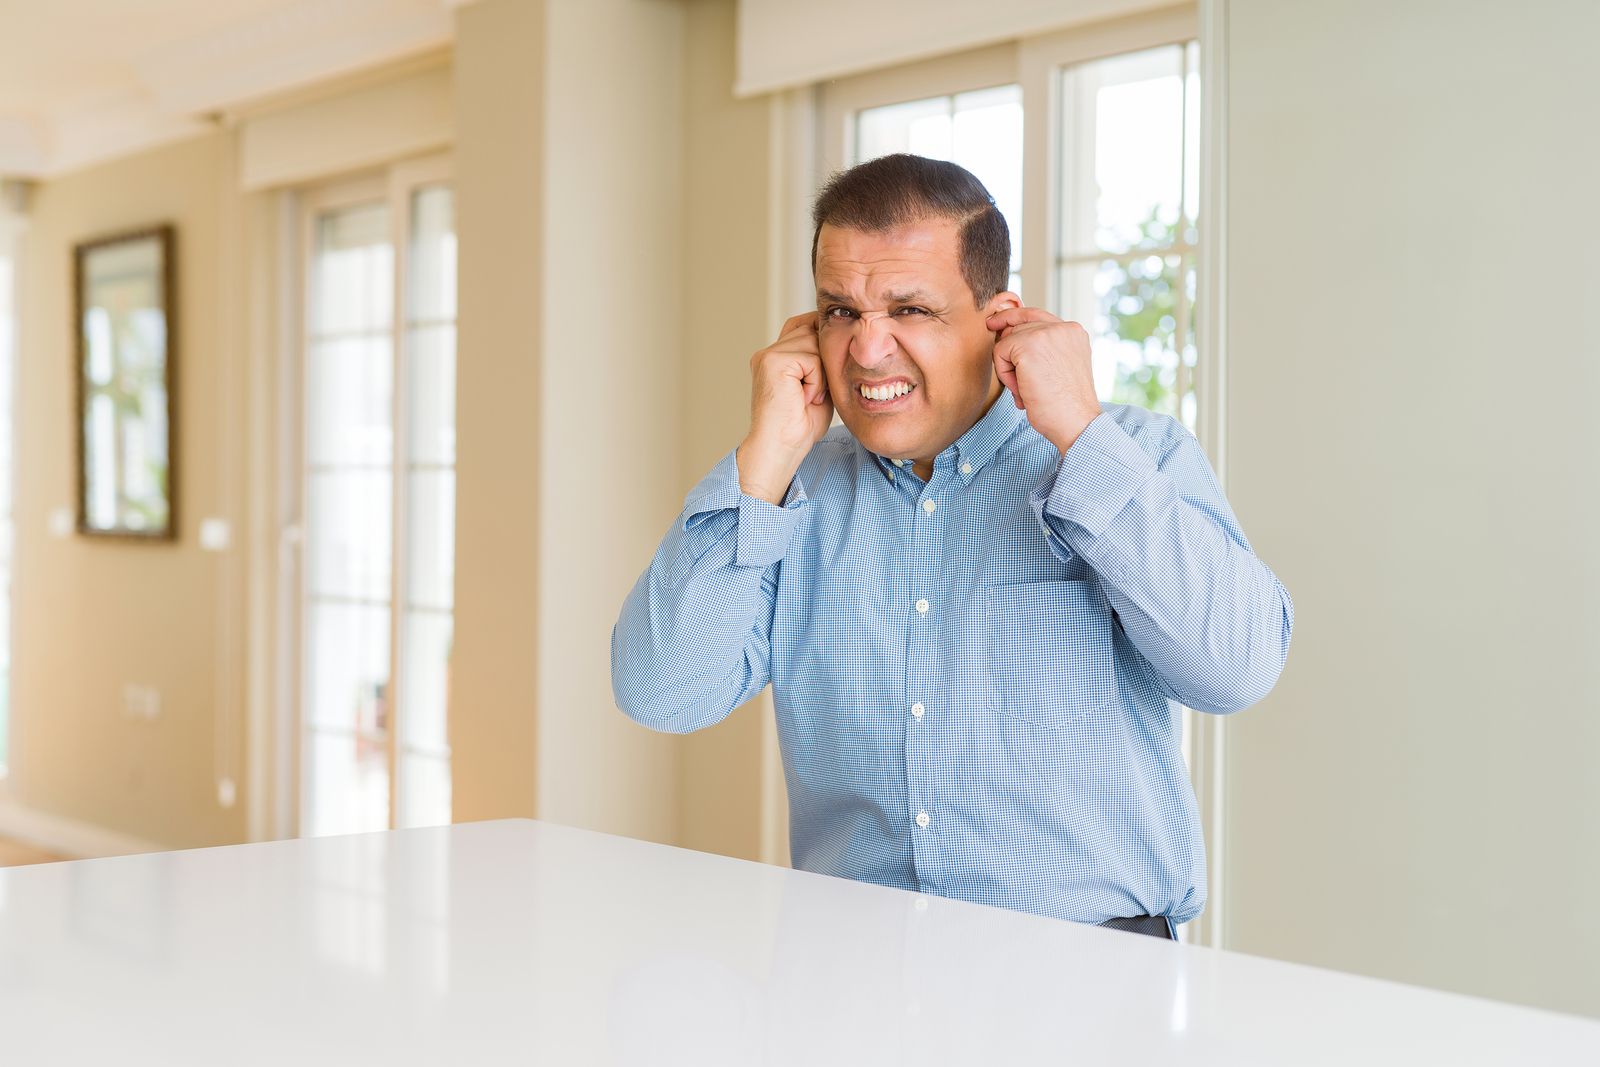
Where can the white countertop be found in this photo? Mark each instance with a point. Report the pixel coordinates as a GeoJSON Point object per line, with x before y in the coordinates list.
{"type": "Point", "coordinates": [529, 942]}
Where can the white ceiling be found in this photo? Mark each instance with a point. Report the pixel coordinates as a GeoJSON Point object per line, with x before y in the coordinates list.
{"type": "Point", "coordinates": [86, 80]}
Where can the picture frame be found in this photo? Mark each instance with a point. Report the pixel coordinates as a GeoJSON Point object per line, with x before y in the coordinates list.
{"type": "Point", "coordinates": [125, 305]}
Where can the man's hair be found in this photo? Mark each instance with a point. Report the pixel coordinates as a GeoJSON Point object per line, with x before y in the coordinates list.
{"type": "Point", "coordinates": [892, 191]}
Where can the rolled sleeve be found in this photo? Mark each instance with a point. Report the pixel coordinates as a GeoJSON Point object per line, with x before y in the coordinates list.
{"type": "Point", "coordinates": [764, 529]}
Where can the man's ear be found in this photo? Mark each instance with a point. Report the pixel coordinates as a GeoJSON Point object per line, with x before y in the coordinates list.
{"type": "Point", "coordinates": [1000, 301]}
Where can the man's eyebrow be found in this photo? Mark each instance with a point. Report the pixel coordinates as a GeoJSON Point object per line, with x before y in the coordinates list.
{"type": "Point", "coordinates": [825, 296]}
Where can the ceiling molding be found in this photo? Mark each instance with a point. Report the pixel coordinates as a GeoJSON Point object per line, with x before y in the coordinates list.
{"type": "Point", "coordinates": [175, 89]}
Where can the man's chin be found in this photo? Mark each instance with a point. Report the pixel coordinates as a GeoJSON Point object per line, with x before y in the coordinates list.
{"type": "Point", "coordinates": [878, 435]}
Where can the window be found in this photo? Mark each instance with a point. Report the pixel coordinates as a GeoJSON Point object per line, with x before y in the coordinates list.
{"type": "Point", "coordinates": [1129, 192]}
{"type": "Point", "coordinates": [981, 130]}
{"type": "Point", "coordinates": [1095, 131]}
{"type": "Point", "coordinates": [378, 499]}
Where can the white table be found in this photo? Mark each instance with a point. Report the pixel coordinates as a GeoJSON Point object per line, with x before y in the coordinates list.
{"type": "Point", "coordinates": [520, 941]}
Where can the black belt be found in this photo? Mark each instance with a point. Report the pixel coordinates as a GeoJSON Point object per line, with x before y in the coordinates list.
{"type": "Point", "coordinates": [1154, 925]}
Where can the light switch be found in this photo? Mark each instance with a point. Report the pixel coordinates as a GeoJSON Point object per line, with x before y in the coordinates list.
{"type": "Point", "coordinates": [61, 522]}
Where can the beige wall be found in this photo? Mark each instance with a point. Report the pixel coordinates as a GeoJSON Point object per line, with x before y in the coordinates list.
{"type": "Point", "coordinates": [569, 401]}
{"type": "Point", "coordinates": [1411, 443]}
{"type": "Point", "coordinates": [93, 615]}
{"type": "Point", "coordinates": [724, 321]}
{"type": "Point", "coordinates": [500, 62]}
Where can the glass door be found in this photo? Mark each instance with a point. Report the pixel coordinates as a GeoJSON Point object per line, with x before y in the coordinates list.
{"type": "Point", "coordinates": [378, 503]}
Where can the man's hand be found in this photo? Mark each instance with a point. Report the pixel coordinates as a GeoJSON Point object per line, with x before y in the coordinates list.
{"type": "Point", "coordinates": [789, 410]}
{"type": "Point", "coordinates": [1045, 363]}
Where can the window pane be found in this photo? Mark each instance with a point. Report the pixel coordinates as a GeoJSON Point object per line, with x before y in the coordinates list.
{"type": "Point", "coordinates": [430, 579]}
{"type": "Point", "coordinates": [433, 393]}
{"type": "Point", "coordinates": [348, 781]}
{"type": "Point", "coordinates": [349, 519]}
{"type": "Point", "coordinates": [427, 646]}
{"type": "Point", "coordinates": [423, 794]}
{"type": "Point", "coordinates": [352, 271]}
{"type": "Point", "coordinates": [921, 127]}
{"type": "Point", "coordinates": [988, 141]}
{"type": "Point", "coordinates": [433, 255]}
{"type": "Point", "coordinates": [349, 375]}
{"type": "Point", "coordinates": [424, 790]}
{"type": "Point", "coordinates": [1122, 140]}
{"type": "Point", "coordinates": [347, 662]}
{"type": "Point", "coordinates": [980, 130]}
{"type": "Point", "coordinates": [350, 400]}
{"type": "Point", "coordinates": [1130, 311]}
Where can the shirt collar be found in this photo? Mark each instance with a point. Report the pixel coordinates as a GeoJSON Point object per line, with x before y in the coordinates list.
{"type": "Point", "coordinates": [973, 450]}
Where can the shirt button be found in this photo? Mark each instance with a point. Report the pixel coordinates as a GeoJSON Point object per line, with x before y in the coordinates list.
{"type": "Point", "coordinates": [928, 506]}
{"type": "Point", "coordinates": [898, 462]}
{"type": "Point", "coordinates": [922, 819]}
{"type": "Point", "coordinates": [922, 607]}
{"type": "Point", "coordinates": [891, 476]}
{"type": "Point", "coordinates": [917, 710]}
{"type": "Point", "coordinates": [966, 468]}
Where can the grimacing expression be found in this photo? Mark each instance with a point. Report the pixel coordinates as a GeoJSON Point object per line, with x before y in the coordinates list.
{"type": "Point", "coordinates": [908, 358]}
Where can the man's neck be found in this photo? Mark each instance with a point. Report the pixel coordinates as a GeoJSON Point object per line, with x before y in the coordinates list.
{"type": "Point", "coordinates": [923, 468]}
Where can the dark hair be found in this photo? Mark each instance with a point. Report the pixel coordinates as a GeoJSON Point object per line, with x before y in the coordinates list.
{"type": "Point", "coordinates": [895, 190]}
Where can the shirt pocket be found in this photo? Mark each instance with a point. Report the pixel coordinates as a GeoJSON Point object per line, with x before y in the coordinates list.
{"type": "Point", "coordinates": [1049, 651]}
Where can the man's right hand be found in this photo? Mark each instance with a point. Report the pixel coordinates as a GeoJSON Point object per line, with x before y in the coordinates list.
{"type": "Point", "coordinates": [789, 410]}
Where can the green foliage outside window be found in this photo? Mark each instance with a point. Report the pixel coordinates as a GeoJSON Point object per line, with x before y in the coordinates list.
{"type": "Point", "coordinates": [1141, 306]}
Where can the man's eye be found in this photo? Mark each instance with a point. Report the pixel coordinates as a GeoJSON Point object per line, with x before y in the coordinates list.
{"type": "Point", "coordinates": [914, 310]}
{"type": "Point", "coordinates": [837, 312]}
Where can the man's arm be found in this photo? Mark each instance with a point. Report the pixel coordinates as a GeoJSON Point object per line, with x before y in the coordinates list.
{"type": "Point", "coordinates": [1212, 620]}
{"type": "Point", "coordinates": [693, 640]}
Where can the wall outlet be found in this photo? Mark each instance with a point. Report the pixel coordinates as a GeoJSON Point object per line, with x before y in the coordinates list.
{"type": "Point", "coordinates": [140, 701]}
{"type": "Point", "coordinates": [62, 522]}
{"type": "Point", "coordinates": [214, 534]}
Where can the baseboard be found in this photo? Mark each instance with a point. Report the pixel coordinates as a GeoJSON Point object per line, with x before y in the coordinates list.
{"type": "Point", "coordinates": [67, 837]}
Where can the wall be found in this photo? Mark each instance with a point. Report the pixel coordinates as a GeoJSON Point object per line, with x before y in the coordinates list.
{"type": "Point", "coordinates": [93, 615]}
{"type": "Point", "coordinates": [500, 60]}
{"type": "Point", "coordinates": [725, 316]}
{"type": "Point", "coordinates": [568, 399]}
{"type": "Point", "coordinates": [1412, 387]}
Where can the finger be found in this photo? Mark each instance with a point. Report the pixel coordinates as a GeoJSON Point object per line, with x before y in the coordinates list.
{"type": "Point", "coordinates": [814, 381]}
{"type": "Point", "coordinates": [1005, 369]}
{"type": "Point", "coordinates": [1017, 316]}
{"type": "Point", "coordinates": [806, 319]}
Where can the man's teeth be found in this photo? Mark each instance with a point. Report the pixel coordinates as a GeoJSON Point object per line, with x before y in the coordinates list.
{"type": "Point", "coordinates": [885, 392]}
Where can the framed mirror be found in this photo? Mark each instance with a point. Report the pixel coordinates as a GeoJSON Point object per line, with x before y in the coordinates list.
{"type": "Point", "coordinates": [123, 291]}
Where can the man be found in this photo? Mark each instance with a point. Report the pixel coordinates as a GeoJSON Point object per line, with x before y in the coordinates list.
{"type": "Point", "coordinates": [978, 600]}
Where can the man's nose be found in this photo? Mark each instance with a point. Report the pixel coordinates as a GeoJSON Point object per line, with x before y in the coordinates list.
{"type": "Point", "coordinates": [872, 341]}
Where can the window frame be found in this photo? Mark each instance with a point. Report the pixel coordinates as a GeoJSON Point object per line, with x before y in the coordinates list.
{"type": "Point", "coordinates": [394, 187]}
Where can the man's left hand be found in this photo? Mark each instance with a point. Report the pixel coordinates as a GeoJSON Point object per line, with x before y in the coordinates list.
{"type": "Point", "coordinates": [1045, 363]}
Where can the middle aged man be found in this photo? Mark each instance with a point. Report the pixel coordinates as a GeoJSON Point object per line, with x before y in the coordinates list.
{"type": "Point", "coordinates": [977, 599]}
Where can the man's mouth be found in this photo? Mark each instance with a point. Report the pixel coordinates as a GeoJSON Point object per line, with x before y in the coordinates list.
{"type": "Point", "coordinates": [887, 395]}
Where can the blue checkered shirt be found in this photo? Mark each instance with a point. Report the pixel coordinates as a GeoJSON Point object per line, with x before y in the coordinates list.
{"type": "Point", "coordinates": [976, 677]}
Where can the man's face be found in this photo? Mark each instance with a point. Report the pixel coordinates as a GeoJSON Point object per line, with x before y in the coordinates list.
{"type": "Point", "coordinates": [897, 319]}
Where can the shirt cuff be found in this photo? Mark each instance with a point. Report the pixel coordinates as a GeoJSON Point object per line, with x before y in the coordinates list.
{"type": "Point", "coordinates": [764, 529]}
{"type": "Point", "coordinates": [1097, 478]}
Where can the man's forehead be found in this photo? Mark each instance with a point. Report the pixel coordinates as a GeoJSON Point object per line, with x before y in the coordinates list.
{"type": "Point", "coordinates": [917, 257]}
